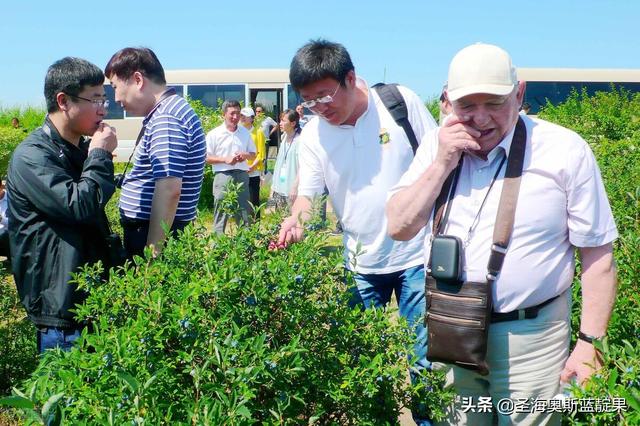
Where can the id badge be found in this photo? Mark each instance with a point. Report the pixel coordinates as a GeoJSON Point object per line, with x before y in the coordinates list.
{"type": "Point", "coordinates": [283, 178]}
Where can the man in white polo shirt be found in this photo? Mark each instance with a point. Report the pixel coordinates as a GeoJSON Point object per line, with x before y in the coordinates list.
{"type": "Point", "coordinates": [561, 205]}
{"type": "Point", "coordinates": [229, 146]}
{"type": "Point", "coordinates": [358, 152]}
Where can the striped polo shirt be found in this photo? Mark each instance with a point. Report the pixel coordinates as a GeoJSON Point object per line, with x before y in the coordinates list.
{"type": "Point", "coordinates": [173, 145]}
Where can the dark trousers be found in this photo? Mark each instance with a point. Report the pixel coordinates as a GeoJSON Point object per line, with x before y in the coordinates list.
{"type": "Point", "coordinates": [136, 232]}
{"type": "Point", "coordinates": [254, 194]}
{"type": "Point", "coordinates": [4, 243]}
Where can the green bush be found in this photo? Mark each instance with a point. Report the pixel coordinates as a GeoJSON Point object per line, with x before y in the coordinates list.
{"type": "Point", "coordinates": [433, 106]}
{"type": "Point", "coordinates": [610, 121]}
{"type": "Point", "coordinates": [619, 162]}
{"type": "Point", "coordinates": [9, 140]}
{"type": "Point", "coordinates": [221, 330]}
{"type": "Point", "coordinates": [617, 385]}
{"type": "Point", "coordinates": [611, 115]}
{"type": "Point", "coordinates": [209, 117]}
{"type": "Point", "coordinates": [30, 117]}
{"type": "Point", "coordinates": [18, 336]}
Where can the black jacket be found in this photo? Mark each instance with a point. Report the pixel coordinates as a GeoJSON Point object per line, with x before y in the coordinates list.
{"type": "Point", "coordinates": [56, 212]}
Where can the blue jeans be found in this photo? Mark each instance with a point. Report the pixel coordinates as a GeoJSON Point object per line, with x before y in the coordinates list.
{"type": "Point", "coordinates": [374, 290]}
{"type": "Point", "coordinates": [51, 337]}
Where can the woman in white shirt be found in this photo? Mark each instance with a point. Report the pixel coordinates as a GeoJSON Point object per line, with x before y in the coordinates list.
{"type": "Point", "coordinates": [284, 187]}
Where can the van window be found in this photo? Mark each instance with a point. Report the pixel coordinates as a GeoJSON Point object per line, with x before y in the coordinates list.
{"type": "Point", "coordinates": [212, 94]}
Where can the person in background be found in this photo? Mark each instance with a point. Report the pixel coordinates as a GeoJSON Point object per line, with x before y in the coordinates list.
{"type": "Point", "coordinates": [229, 147]}
{"type": "Point", "coordinates": [526, 107]}
{"type": "Point", "coordinates": [562, 206]}
{"type": "Point", "coordinates": [358, 152]}
{"type": "Point", "coordinates": [4, 223]}
{"type": "Point", "coordinates": [59, 182]}
{"type": "Point", "coordinates": [267, 124]}
{"type": "Point", "coordinates": [256, 166]}
{"type": "Point", "coordinates": [163, 187]}
{"type": "Point", "coordinates": [445, 106]}
{"type": "Point", "coordinates": [284, 187]}
{"type": "Point", "coordinates": [15, 123]}
{"type": "Point", "coordinates": [303, 118]}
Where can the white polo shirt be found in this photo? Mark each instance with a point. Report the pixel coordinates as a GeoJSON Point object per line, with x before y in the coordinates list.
{"type": "Point", "coordinates": [562, 204]}
{"type": "Point", "coordinates": [223, 143]}
{"type": "Point", "coordinates": [358, 170]}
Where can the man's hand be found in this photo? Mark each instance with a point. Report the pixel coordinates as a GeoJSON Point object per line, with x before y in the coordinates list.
{"type": "Point", "coordinates": [244, 156]}
{"type": "Point", "coordinates": [598, 297]}
{"type": "Point", "coordinates": [291, 231]}
{"type": "Point", "coordinates": [104, 138]}
{"type": "Point", "coordinates": [231, 160]}
{"type": "Point", "coordinates": [455, 137]}
{"type": "Point", "coordinates": [582, 363]}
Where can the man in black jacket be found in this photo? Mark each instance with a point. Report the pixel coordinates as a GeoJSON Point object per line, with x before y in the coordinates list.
{"type": "Point", "coordinates": [59, 183]}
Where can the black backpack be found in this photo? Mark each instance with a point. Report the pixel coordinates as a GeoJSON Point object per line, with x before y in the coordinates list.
{"type": "Point", "coordinates": [397, 107]}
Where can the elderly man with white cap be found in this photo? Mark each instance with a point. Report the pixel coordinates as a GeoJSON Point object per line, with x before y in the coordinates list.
{"type": "Point", "coordinates": [561, 206]}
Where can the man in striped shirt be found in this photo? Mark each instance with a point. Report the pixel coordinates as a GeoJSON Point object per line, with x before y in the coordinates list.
{"type": "Point", "coordinates": [165, 181]}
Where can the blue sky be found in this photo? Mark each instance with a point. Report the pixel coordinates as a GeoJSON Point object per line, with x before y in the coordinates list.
{"type": "Point", "coordinates": [409, 42]}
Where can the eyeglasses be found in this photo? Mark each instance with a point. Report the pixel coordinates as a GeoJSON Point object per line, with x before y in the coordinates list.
{"type": "Point", "coordinates": [97, 103]}
{"type": "Point", "coordinates": [322, 100]}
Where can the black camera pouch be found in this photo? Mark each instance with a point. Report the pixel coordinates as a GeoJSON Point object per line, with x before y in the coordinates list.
{"type": "Point", "coordinates": [446, 259]}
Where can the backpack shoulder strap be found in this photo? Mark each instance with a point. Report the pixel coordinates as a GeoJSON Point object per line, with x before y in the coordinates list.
{"type": "Point", "coordinates": [397, 107]}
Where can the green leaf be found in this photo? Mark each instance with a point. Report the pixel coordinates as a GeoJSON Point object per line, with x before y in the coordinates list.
{"type": "Point", "coordinates": [244, 412]}
{"type": "Point", "coordinates": [20, 393]}
{"type": "Point", "coordinates": [51, 402]}
{"type": "Point", "coordinates": [32, 391]}
{"type": "Point", "coordinates": [129, 380]}
{"type": "Point", "coordinates": [17, 402]}
{"type": "Point", "coordinates": [274, 414]}
{"type": "Point", "coordinates": [612, 379]}
{"type": "Point", "coordinates": [631, 399]}
{"type": "Point", "coordinates": [150, 381]}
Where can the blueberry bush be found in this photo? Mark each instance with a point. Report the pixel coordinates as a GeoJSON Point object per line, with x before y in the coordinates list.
{"type": "Point", "coordinates": [610, 122]}
{"type": "Point", "coordinates": [224, 330]}
{"type": "Point", "coordinates": [17, 334]}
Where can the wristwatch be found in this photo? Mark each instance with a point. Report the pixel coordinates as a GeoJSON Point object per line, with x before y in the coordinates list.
{"type": "Point", "coordinates": [587, 338]}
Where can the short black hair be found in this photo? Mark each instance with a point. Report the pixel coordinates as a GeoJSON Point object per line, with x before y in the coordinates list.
{"type": "Point", "coordinates": [293, 116]}
{"type": "Point", "coordinates": [129, 60]}
{"type": "Point", "coordinates": [71, 76]}
{"type": "Point", "coordinates": [317, 60]}
{"type": "Point", "coordinates": [232, 103]}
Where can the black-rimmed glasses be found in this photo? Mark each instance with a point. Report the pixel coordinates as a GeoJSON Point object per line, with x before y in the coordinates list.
{"type": "Point", "coordinates": [97, 103]}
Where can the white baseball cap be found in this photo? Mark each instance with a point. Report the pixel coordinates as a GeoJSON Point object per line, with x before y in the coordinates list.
{"type": "Point", "coordinates": [481, 68]}
{"type": "Point", "coordinates": [247, 112]}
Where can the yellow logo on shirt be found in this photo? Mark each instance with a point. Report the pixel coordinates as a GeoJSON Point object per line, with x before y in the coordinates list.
{"type": "Point", "coordinates": [384, 136]}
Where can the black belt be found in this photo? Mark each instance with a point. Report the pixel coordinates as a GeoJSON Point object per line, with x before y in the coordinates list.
{"type": "Point", "coordinates": [519, 314]}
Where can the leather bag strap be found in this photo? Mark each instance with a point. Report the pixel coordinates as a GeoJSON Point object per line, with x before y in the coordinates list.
{"type": "Point", "coordinates": [508, 201]}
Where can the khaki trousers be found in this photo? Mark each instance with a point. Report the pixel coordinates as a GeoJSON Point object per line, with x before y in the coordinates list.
{"type": "Point", "coordinates": [525, 359]}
